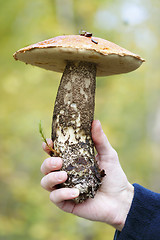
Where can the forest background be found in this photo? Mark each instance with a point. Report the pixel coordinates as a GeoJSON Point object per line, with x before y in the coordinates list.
{"type": "Point", "coordinates": [128, 107]}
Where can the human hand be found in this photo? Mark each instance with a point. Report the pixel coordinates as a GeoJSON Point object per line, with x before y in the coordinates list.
{"type": "Point", "coordinates": [112, 201]}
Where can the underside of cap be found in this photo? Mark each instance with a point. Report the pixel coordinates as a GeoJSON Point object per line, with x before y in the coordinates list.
{"type": "Point", "coordinates": [53, 54]}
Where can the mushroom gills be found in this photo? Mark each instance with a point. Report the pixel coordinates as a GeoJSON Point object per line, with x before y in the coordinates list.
{"type": "Point", "coordinates": [71, 128]}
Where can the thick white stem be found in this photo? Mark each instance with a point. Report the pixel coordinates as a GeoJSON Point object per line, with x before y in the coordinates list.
{"type": "Point", "coordinates": [71, 128]}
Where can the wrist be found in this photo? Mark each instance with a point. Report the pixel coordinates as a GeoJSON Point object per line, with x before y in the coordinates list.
{"type": "Point", "coordinates": [124, 205]}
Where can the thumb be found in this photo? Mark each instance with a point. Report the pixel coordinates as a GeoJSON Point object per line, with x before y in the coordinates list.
{"type": "Point", "coordinates": [100, 140]}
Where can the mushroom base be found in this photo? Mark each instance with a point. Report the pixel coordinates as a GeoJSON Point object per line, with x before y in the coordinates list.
{"type": "Point", "coordinates": [71, 128]}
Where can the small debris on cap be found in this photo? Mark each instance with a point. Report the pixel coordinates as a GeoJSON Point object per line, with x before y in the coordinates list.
{"type": "Point", "coordinates": [94, 41]}
{"type": "Point", "coordinates": [85, 34]}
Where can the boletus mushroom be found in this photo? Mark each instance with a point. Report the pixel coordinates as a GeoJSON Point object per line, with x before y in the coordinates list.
{"type": "Point", "coordinates": [81, 58]}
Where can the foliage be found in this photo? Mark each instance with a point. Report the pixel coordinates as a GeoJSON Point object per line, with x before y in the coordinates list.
{"type": "Point", "coordinates": [127, 105]}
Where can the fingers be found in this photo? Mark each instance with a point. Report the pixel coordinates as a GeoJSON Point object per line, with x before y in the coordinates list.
{"type": "Point", "coordinates": [51, 164]}
{"type": "Point", "coordinates": [59, 195]}
{"type": "Point", "coordinates": [49, 181]}
{"type": "Point", "coordinates": [51, 178]}
{"type": "Point", "coordinates": [45, 147]}
{"type": "Point", "coordinates": [100, 140]}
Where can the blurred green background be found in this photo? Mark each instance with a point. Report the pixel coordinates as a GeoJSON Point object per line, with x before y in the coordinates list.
{"type": "Point", "coordinates": [128, 107]}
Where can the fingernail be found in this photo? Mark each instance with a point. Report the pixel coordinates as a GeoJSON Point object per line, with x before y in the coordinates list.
{"type": "Point", "coordinates": [75, 192]}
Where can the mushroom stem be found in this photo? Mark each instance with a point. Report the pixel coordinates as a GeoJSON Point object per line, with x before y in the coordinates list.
{"type": "Point", "coordinates": [71, 128]}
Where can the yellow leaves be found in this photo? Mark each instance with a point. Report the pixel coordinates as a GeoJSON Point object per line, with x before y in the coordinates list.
{"type": "Point", "coordinates": [39, 231]}
{"type": "Point", "coordinates": [10, 226]}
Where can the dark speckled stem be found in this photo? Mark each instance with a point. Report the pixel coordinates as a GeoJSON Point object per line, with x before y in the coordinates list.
{"type": "Point", "coordinates": [71, 128]}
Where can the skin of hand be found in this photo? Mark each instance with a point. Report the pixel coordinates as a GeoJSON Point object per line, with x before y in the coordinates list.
{"type": "Point", "coordinates": [112, 201]}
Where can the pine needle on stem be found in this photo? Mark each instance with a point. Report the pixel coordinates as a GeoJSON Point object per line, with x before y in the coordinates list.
{"type": "Point", "coordinates": [45, 140]}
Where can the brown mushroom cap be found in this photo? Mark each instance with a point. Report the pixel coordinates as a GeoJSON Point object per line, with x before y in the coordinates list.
{"type": "Point", "coordinates": [53, 54]}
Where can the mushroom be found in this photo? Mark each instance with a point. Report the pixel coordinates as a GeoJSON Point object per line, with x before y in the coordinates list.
{"type": "Point", "coordinates": [81, 58]}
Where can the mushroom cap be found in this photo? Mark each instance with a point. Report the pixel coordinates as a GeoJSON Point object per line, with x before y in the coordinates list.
{"type": "Point", "coordinates": [53, 54]}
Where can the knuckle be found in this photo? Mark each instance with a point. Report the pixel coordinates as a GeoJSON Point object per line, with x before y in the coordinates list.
{"type": "Point", "coordinates": [47, 182]}
{"type": "Point", "coordinates": [114, 154]}
{"type": "Point", "coordinates": [54, 196]}
{"type": "Point", "coordinates": [46, 166]}
{"type": "Point", "coordinates": [43, 166]}
{"type": "Point", "coordinates": [62, 194]}
{"type": "Point", "coordinates": [42, 182]}
{"type": "Point", "coordinates": [49, 163]}
{"type": "Point", "coordinates": [57, 195]}
{"type": "Point", "coordinates": [50, 178]}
